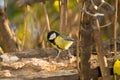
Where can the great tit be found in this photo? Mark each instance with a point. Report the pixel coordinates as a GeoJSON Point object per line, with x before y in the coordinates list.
{"type": "Point", "coordinates": [60, 42]}
{"type": "Point", "coordinates": [116, 67]}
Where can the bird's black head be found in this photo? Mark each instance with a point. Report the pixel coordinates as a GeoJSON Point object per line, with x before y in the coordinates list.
{"type": "Point", "coordinates": [52, 35]}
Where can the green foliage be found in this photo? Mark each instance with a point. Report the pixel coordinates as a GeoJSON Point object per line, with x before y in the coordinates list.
{"type": "Point", "coordinates": [13, 10]}
{"type": "Point", "coordinates": [104, 37]}
{"type": "Point", "coordinates": [71, 4]}
{"type": "Point", "coordinates": [20, 32]}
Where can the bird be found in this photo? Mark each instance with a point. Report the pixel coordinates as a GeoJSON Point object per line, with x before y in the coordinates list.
{"type": "Point", "coordinates": [60, 42]}
{"type": "Point", "coordinates": [116, 67]}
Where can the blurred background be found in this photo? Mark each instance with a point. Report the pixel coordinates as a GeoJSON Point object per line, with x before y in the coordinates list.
{"type": "Point", "coordinates": [29, 22]}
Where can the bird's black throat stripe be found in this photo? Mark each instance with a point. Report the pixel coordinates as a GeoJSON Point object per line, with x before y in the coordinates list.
{"type": "Point", "coordinates": [53, 42]}
{"type": "Point", "coordinates": [58, 46]}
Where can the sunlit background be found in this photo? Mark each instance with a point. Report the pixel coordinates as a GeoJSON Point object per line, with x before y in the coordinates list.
{"type": "Point", "coordinates": [29, 22]}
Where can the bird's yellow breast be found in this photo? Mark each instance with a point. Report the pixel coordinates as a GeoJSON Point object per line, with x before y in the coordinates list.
{"type": "Point", "coordinates": [116, 67]}
{"type": "Point", "coordinates": [62, 43]}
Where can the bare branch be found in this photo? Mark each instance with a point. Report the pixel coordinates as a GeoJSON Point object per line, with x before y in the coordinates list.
{"type": "Point", "coordinates": [106, 25]}
{"type": "Point", "coordinates": [63, 16]}
{"type": "Point", "coordinates": [102, 2]}
{"type": "Point", "coordinates": [46, 16]}
{"type": "Point", "coordinates": [95, 6]}
{"type": "Point", "coordinates": [115, 27]}
{"type": "Point", "coordinates": [96, 14]}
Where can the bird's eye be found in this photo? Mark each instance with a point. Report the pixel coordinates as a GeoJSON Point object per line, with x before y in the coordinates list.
{"type": "Point", "coordinates": [52, 36]}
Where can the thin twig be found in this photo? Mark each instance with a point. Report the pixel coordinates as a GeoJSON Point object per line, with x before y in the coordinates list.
{"type": "Point", "coordinates": [106, 25]}
{"type": "Point", "coordinates": [46, 16]}
{"type": "Point", "coordinates": [96, 14]}
{"type": "Point", "coordinates": [78, 41]}
{"type": "Point", "coordinates": [63, 16]}
{"type": "Point", "coordinates": [95, 6]}
{"type": "Point", "coordinates": [102, 2]}
{"type": "Point", "coordinates": [47, 27]}
{"type": "Point", "coordinates": [5, 3]}
{"type": "Point", "coordinates": [25, 27]}
{"type": "Point", "coordinates": [115, 27]}
{"type": "Point", "coordinates": [78, 51]}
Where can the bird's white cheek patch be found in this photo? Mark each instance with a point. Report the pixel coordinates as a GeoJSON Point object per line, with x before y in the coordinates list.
{"type": "Point", "coordinates": [53, 36]}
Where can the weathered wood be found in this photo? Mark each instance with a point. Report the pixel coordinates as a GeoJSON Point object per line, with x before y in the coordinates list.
{"type": "Point", "coordinates": [41, 53]}
{"type": "Point", "coordinates": [39, 67]}
{"type": "Point", "coordinates": [30, 66]}
{"type": "Point", "coordinates": [50, 52]}
{"type": "Point", "coordinates": [31, 75]}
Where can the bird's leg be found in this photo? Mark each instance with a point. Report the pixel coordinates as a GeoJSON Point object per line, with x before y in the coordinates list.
{"type": "Point", "coordinates": [58, 54]}
{"type": "Point", "coordinates": [69, 53]}
{"type": "Point", "coordinates": [72, 57]}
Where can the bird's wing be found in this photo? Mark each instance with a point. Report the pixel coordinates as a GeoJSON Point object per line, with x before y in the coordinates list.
{"type": "Point", "coordinates": [63, 43]}
{"type": "Point", "coordinates": [67, 38]}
